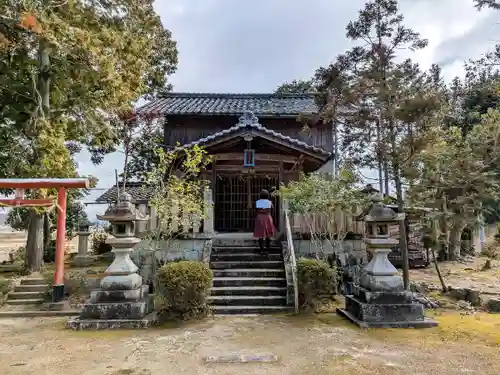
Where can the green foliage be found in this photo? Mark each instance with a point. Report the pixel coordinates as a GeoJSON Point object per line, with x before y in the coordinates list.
{"type": "Point", "coordinates": [184, 287]}
{"type": "Point", "coordinates": [296, 87]}
{"type": "Point", "coordinates": [18, 255]}
{"type": "Point", "coordinates": [322, 195]}
{"type": "Point", "coordinates": [5, 286]}
{"type": "Point", "coordinates": [142, 155]}
{"type": "Point", "coordinates": [18, 218]}
{"type": "Point", "coordinates": [98, 242]}
{"type": "Point", "coordinates": [177, 190]}
{"type": "Point", "coordinates": [315, 280]}
{"type": "Point", "coordinates": [493, 4]}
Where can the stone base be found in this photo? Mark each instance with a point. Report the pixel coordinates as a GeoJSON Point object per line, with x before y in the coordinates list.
{"type": "Point", "coordinates": [425, 323]}
{"type": "Point", "coordinates": [100, 295]}
{"type": "Point", "coordinates": [83, 260]}
{"type": "Point", "coordinates": [383, 312]}
{"type": "Point", "coordinates": [118, 304]}
{"type": "Point", "coordinates": [114, 310]}
{"type": "Point", "coordinates": [79, 324]}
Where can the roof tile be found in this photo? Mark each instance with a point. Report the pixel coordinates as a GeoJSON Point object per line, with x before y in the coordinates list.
{"type": "Point", "coordinates": [231, 104]}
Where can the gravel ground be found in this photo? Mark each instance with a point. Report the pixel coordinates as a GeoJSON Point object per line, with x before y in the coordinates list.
{"type": "Point", "coordinates": [318, 345]}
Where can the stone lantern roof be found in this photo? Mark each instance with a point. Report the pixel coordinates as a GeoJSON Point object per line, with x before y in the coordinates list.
{"type": "Point", "coordinates": [379, 212]}
{"type": "Point", "coordinates": [123, 211]}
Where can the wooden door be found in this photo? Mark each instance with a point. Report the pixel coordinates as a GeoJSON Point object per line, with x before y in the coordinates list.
{"type": "Point", "coordinates": [235, 196]}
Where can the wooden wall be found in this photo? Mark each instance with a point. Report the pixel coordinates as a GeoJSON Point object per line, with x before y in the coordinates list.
{"type": "Point", "coordinates": [185, 129]}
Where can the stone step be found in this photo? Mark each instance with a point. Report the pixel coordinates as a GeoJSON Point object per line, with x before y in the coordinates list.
{"type": "Point", "coordinates": [37, 313]}
{"type": "Point", "coordinates": [244, 257]}
{"type": "Point", "coordinates": [249, 310]}
{"type": "Point", "coordinates": [249, 272]}
{"type": "Point", "coordinates": [263, 291]}
{"type": "Point", "coordinates": [268, 264]}
{"type": "Point", "coordinates": [37, 301]}
{"type": "Point", "coordinates": [32, 288]}
{"type": "Point", "coordinates": [33, 281]}
{"type": "Point", "coordinates": [248, 300]}
{"type": "Point", "coordinates": [248, 281]}
{"type": "Point", "coordinates": [244, 250]}
{"type": "Point", "coordinates": [217, 242]}
{"type": "Point", "coordinates": [26, 295]}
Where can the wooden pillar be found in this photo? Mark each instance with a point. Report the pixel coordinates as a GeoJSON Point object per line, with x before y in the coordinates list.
{"type": "Point", "coordinates": [58, 288]}
{"type": "Point", "coordinates": [281, 179]}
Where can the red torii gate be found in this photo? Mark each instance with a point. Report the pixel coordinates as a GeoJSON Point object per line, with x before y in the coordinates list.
{"type": "Point", "coordinates": [20, 184]}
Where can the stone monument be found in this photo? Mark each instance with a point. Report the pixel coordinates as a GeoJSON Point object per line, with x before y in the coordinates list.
{"type": "Point", "coordinates": [378, 297]}
{"type": "Point", "coordinates": [122, 301]}
{"type": "Point", "coordinates": [83, 258]}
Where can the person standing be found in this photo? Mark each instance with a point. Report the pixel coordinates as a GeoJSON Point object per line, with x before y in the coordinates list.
{"type": "Point", "coordinates": [264, 225]}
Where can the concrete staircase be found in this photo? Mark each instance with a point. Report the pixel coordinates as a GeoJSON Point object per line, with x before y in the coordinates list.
{"type": "Point", "coordinates": [30, 292]}
{"type": "Point", "coordinates": [246, 282]}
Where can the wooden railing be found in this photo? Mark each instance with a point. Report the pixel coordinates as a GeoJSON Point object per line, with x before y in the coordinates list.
{"type": "Point", "coordinates": [336, 222]}
{"type": "Point", "coordinates": [291, 262]}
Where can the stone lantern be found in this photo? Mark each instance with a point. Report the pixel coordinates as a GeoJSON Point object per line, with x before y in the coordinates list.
{"type": "Point", "coordinates": [122, 300]}
{"type": "Point", "coordinates": [83, 258]}
{"type": "Point", "coordinates": [378, 296]}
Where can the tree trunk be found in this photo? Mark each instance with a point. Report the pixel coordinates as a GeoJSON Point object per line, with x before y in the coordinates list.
{"type": "Point", "coordinates": [386, 177]}
{"type": "Point", "coordinates": [444, 288]}
{"type": "Point", "coordinates": [455, 239]}
{"type": "Point", "coordinates": [379, 160]}
{"type": "Point", "coordinates": [34, 244]}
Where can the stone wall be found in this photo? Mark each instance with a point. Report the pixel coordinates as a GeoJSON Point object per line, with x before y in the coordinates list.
{"type": "Point", "coordinates": [165, 251]}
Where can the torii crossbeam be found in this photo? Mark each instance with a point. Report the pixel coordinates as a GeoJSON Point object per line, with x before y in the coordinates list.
{"type": "Point", "coordinates": [20, 184]}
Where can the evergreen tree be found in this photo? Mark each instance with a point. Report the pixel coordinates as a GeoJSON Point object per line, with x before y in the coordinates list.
{"type": "Point", "coordinates": [70, 72]}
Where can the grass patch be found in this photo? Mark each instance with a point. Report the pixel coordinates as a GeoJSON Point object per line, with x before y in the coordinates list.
{"type": "Point", "coordinates": [480, 328]}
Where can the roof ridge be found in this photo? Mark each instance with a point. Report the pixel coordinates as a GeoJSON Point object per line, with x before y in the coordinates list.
{"type": "Point", "coordinates": [234, 95]}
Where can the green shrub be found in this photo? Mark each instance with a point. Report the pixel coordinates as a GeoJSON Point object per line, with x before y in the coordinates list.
{"type": "Point", "coordinates": [5, 285]}
{"type": "Point", "coordinates": [491, 248]}
{"type": "Point", "coordinates": [98, 243]}
{"type": "Point", "coordinates": [315, 280]}
{"type": "Point", "coordinates": [183, 290]}
{"type": "Point", "coordinates": [18, 255]}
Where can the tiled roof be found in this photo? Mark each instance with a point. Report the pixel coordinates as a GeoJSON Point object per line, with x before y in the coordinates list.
{"type": "Point", "coordinates": [231, 104]}
{"type": "Point", "coordinates": [135, 189]}
{"type": "Point", "coordinates": [249, 121]}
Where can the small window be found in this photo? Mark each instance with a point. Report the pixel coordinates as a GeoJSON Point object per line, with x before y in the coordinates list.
{"type": "Point", "coordinates": [120, 228]}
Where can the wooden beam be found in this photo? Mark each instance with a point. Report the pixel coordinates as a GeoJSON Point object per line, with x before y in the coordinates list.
{"type": "Point", "coordinates": [44, 183]}
{"type": "Point", "coordinates": [258, 157]}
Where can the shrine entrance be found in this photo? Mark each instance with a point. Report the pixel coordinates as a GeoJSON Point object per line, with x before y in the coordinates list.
{"type": "Point", "coordinates": [235, 196]}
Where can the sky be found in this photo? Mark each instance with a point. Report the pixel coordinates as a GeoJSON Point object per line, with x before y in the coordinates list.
{"type": "Point", "coordinates": [254, 46]}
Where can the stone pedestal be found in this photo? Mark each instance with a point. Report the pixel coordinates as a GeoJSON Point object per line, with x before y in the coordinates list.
{"type": "Point", "coordinates": [83, 258]}
{"type": "Point", "coordinates": [378, 297]}
{"type": "Point", "coordinates": [122, 300]}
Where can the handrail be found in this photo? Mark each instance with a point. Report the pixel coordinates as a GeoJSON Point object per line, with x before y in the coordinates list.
{"type": "Point", "coordinates": [293, 261]}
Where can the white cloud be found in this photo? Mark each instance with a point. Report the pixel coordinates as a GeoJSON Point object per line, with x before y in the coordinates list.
{"type": "Point", "coordinates": [253, 46]}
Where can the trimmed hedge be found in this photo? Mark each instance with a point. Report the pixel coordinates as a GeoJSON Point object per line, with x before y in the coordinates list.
{"type": "Point", "coordinates": [315, 280]}
{"type": "Point", "coordinates": [183, 288]}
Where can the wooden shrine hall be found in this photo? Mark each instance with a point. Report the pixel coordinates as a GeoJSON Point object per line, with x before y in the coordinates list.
{"type": "Point", "coordinates": [256, 140]}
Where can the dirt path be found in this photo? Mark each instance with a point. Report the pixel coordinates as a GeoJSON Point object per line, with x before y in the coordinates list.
{"type": "Point", "coordinates": [321, 345]}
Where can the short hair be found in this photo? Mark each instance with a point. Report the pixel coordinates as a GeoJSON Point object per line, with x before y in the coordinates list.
{"type": "Point", "coordinates": [264, 194]}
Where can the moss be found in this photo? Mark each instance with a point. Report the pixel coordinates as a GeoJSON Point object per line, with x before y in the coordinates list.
{"type": "Point", "coordinates": [453, 327]}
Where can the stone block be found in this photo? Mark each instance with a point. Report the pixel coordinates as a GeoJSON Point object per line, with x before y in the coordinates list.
{"type": "Point", "coordinates": [98, 296]}
{"type": "Point", "coordinates": [114, 310]}
{"type": "Point", "coordinates": [121, 282]}
{"type": "Point", "coordinates": [402, 297]}
{"type": "Point", "coordinates": [370, 312]}
{"type": "Point", "coordinates": [81, 324]}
